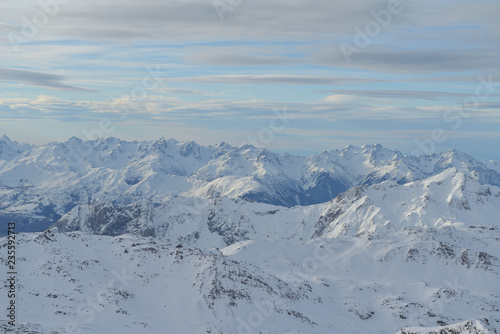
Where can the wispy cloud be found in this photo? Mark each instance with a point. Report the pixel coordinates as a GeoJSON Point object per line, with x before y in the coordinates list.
{"type": "Point", "coordinates": [274, 79]}
{"type": "Point", "coordinates": [235, 56]}
{"type": "Point", "coordinates": [187, 91]}
{"type": "Point", "coordinates": [450, 59]}
{"type": "Point", "coordinates": [405, 94]}
{"type": "Point", "coordinates": [32, 78]}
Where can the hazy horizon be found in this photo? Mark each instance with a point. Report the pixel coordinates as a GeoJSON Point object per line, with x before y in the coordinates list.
{"type": "Point", "coordinates": [414, 76]}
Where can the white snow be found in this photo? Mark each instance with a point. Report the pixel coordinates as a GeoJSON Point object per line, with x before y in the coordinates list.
{"type": "Point", "coordinates": [410, 246]}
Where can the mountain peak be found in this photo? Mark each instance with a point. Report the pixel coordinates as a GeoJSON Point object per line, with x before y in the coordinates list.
{"type": "Point", "coordinates": [172, 141]}
{"type": "Point", "coordinates": [222, 145]}
{"type": "Point", "coordinates": [375, 146]}
{"type": "Point", "coordinates": [6, 139]}
{"type": "Point", "coordinates": [112, 140]}
{"type": "Point", "coordinates": [74, 140]}
{"type": "Point", "coordinates": [190, 143]}
{"type": "Point", "coordinates": [164, 140]}
{"type": "Point", "coordinates": [9, 149]}
{"type": "Point", "coordinates": [349, 150]}
{"type": "Point", "coordinates": [454, 153]}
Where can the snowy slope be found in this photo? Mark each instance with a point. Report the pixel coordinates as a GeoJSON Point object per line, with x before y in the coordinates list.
{"type": "Point", "coordinates": [133, 284]}
{"type": "Point", "coordinates": [136, 285]}
{"type": "Point", "coordinates": [381, 286]}
{"type": "Point", "coordinates": [447, 199]}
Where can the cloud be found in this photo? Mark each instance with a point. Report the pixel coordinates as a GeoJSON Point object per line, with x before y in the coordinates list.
{"type": "Point", "coordinates": [376, 58]}
{"type": "Point", "coordinates": [31, 78]}
{"type": "Point", "coordinates": [427, 36]}
{"type": "Point", "coordinates": [237, 60]}
{"type": "Point", "coordinates": [199, 19]}
{"type": "Point", "coordinates": [257, 20]}
{"type": "Point", "coordinates": [402, 94]}
{"type": "Point", "coordinates": [239, 56]}
{"type": "Point", "coordinates": [273, 79]}
{"type": "Point", "coordinates": [334, 108]}
{"type": "Point", "coordinates": [186, 91]}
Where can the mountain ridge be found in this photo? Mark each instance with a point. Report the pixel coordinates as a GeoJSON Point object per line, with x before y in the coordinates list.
{"type": "Point", "coordinates": [50, 180]}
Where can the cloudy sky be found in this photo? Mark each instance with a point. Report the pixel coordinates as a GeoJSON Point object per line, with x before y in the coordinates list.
{"type": "Point", "coordinates": [291, 75]}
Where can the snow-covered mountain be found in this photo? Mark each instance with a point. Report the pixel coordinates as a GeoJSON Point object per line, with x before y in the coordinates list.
{"type": "Point", "coordinates": [449, 199]}
{"type": "Point", "coordinates": [170, 237]}
{"type": "Point", "coordinates": [39, 184]}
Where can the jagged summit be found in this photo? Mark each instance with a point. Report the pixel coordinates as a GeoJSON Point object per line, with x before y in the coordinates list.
{"type": "Point", "coordinates": [9, 149]}
{"type": "Point", "coordinates": [5, 139]}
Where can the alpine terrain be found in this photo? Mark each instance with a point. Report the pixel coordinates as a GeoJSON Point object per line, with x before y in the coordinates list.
{"type": "Point", "coordinates": [174, 237]}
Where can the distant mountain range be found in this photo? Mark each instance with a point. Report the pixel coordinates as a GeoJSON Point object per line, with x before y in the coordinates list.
{"type": "Point", "coordinates": [40, 184]}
